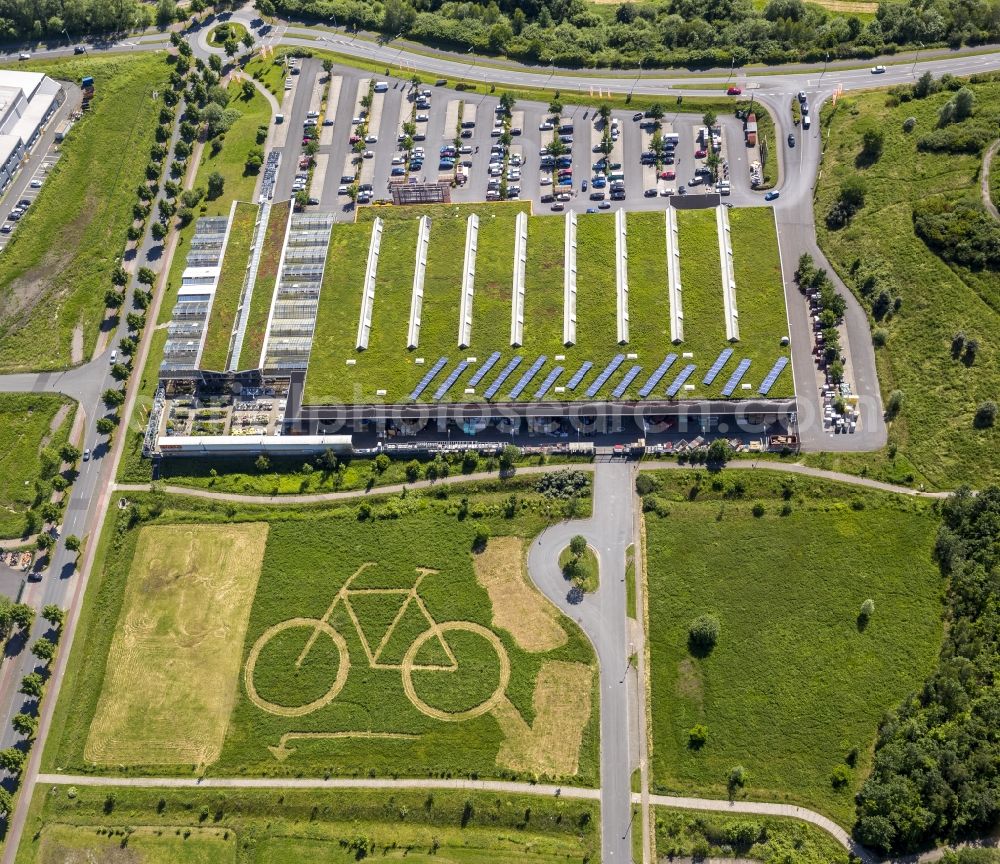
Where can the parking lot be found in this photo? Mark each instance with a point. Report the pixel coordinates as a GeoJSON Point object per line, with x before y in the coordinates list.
{"type": "Point", "coordinates": [557, 163]}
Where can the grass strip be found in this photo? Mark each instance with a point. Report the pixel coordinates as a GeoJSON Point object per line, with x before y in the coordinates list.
{"type": "Point", "coordinates": [229, 290]}
{"type": "Point", "coordinates": [264, 286]}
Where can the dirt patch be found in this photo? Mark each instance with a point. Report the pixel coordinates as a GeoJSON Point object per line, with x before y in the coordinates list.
{"type": "Point", "coordinates": [173, 667]}
{"type": "Point", "coordinates": [76, 350]}
{"type": "Point", "coordinates": [689, 684]}
{"type": "Point", "coordinates": [848, 6]}
{"type": "Point", "coordinates": [562, 708]}
{"type": "Point", "coordinates": [54, 426]}
{"type": "Point", "coordinates": [518, 607]}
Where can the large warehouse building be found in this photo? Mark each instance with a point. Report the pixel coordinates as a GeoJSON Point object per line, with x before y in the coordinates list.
{"type": "Point", "coordinates": [27, 100]}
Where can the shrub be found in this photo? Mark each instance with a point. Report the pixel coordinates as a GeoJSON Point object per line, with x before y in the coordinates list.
{"type": "Point", "coordinates": [986, 415]}
{"type": "Point", "coordinates": [480, 540]}
{"type": "Point", "coordinates": [895, 403]}
{"type": "Point", "coordinates": [840, 777]}
{"type": "Point", "coordinates": [645, 483]}
{"type": "Point", "coordinates": [697, 736]}
{"type": "Point", "coordinates": [578, 545]}
{"type": "Point", "coordinates": [909, 124]}
{"type": "Point", "coordinates": [758, 509]}
{"type": "Point", "coordinates": [879, 337]}
{"type": "Point", "coordinates": [867, 609]}
{"type": "Point", "coordinates": [737, 780]}
{"type": "Point", "coordinates": [703, 634]}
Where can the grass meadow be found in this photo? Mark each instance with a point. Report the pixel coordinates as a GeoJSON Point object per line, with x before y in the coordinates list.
{"type": "Point", "coordinates": [388, 365]}
{"type": "Point", "coordinates": [396, 535]}
{"type": "Point", "coordinates": [55, 271]}
{"type": "Point", "coordinates": [26, 423]}
{"type": "Point", "coordinates": [935, 430]}
{"type": "Point", "coordinates": [796, 684]}
{"type": "Point", "coordinates": [295, 826]}
{"type": "Point", "coordinates": [229, 291]}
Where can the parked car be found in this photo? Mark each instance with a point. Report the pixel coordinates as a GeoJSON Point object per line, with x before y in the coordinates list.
{"type": "Point", "coordinates": [734, 91]}
{"type": "Point", "coordinates": [637, 115]}
{"type": "Point", "coordinates": [558, 207]}
{"type": "Point", "coordinates": [649, 193]}
{"type": "Point", "coordinates": [604, 205]}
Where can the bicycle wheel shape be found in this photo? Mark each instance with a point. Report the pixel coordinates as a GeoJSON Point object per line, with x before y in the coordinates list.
{"type": "Point", "coordinates": [343, 667]}
{"type": "Point", "coordinates": [475, 711]}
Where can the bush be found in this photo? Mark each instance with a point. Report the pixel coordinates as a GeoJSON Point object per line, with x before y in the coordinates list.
{"type": "Point", "coordinates": [986, 415]}
{"type": "Point", "coordinates": [909, 124]}
{"type": "Point", "coordinates": [578, 545]}
{"type": "Point", "coordinates": [867, 609]}
{"type": "Point", "coordinates": [697, 736]}
{"type": "Point", "coordinates": [480, 540]}
{"type": "Point", "coordinates": [703, 634]}
{"type": "Point", "coordinates": [758, 510]}
{"type": "Point", "coordinates": [895, 403]}
{"type": "Point", "coordinates": [737, 780]}
{"type": "Point", "coordinates": [962, 232]}
{"type": "Point", "coordinates": [840, 777]}
{"type": "Point", "coordinates": [645, 483]}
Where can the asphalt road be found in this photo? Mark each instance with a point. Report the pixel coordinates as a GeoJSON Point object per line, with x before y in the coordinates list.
{"type": "Point", "coordinates": [602, 617]}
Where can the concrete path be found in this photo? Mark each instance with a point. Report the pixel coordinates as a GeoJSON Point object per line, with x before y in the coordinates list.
{"type": "Point", "coordinates": [984, 180]}
{"type": "Point", "coordinates": [601, 615]}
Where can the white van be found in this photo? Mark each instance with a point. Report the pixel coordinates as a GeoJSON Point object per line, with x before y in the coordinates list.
{"type": "Point", "coordinates": [381, 86]}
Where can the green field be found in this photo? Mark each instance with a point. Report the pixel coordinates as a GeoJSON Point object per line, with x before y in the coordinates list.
{"type": "Point", "coordinates": [796, 684]}
{"type": "Point", "coordinates": [388, 365]}
{"type": "Point", "coordinates": [264, 285]}
{"type": "Point", "coordinates": [229, 290]}
{"type": "Point", "coordinates": [55, 271]}
{"type": "Point", "coordinates": [386, 717]}
{"type": "Point", "coordinates": [289, 826]}
{"type": "Point", "coordinates": [26, 472]}
{"type": "Point", "coordinates": [681, 833]}
{"type": "Point", "coordinates": [934, 431]}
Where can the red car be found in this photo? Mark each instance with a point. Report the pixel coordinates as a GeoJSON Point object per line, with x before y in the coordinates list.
{"type": "Point", "coordinates": [734, 91]}
{"type": "Point", "coordinates": [700, 154]}
{"type": "Point", "coordinates": [667, 175]}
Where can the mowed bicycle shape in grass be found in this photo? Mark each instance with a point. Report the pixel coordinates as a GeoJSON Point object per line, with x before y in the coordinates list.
{"type": "Point", "coordinates": [321, 628]}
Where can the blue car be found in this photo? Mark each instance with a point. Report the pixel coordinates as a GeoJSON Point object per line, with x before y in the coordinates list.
{"type": "Point", "coordinates": [770, 196]}
{"type": "Point", "coordinates": [446, 165]}
{"type": "Point", "coordinates": [398, 171]}
{"type": "Point", "coordinates": [599, 182]}
{"type": "Point", "coordinates": [591, 209]}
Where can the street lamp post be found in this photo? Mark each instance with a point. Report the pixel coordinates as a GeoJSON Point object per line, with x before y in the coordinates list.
{"type": "Point", "coordinates": [636, 82]}
{"type": "Point", "coordinates": [913, 68]}
{"type": "Point", "coordinates": [825, 63]}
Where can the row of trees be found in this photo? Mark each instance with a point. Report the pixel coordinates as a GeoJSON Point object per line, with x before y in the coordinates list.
{"type": "Point", "coordinates": [658, 32]}
{"type": "Point", "coordinates": [936, 773]}
{"type": "Point", "coordinates": [20, 618]}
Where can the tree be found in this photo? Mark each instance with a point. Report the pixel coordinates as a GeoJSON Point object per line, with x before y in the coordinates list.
{"type": "Point", "coordinates": [216, 183]}
{"type": "Point", "coordinates": [215, 62]}
{"type": "Point", "coordinates": [22, 615]}
{"type": "Point", "coordinates": [555, 107]}
{"type": "Point", "coordinates": [719, 452]}
{"type": "Point", "coordinates": [158, 230]}
{"type": "Point", "coordinates": [709, 118]}
{"type": "Point", "coordinates": [230, 46]}
{"type": "Point", "coordinates": [412, 470]}
{"type": "Point", "coordinates": [54, 615]}
{"type": "Point", "coordinates": [105, 426]}
{"type": "Point", "coordinates": [986, 414]}
{"type": "Point", "coordinates": [867, 610]}
{"type": "Point", "coordinates": [872, 143]}
{"type": "Point", "coordinates": [25, 724]}
{"type": "Point", "coordinates": [895, 403]}
{"type": "Point", "coordinates": [69, 454]}
{"type": "Point", "coordinates": [113, 298]}
{"type": "Point", "coordinates": [247, 89]}
{"type": "Point", "coordinates": [381, 463]}
{"type": "Point", "coordinates": [578, 545]}
{"type": "Point", "coordinates": [247, 41]}
{"type": "Point", "coordinates": [840, 777]}
{"type": "Point", "coordinates": [135, 321]}
{"type": "Point", "coordinates": [6, 801]}
{"type": "Point", "coordinates": [32, 685]}
{"type": "Point", "coordinates": [263, 463]}
{"type": "Point", "coordinates": [12, 759]}
{"type": "Point", "coordinates": [703, 634]}
{"type": "Point", "coordinates": [113, 398]}
{"type": "Point", "coordinates": [398, 17]}
{"type": "Point", "coordinates": [255, 159]}
{"type": "Point", "coordinates": [44, 649]}
{"type": "Point", "coordinates": [166, 12]}
{"type": "Point", "coordinates": [964, 102]}
{"type": "Point", "coordinates": [508, 458]}
{"type": "Point", "coordinates": [737, 780]}
{"type": "Point", "coordinates": [480, 539]}
{"type": "Point", "coordinates": [852, 192]}
{"type": "Point", "coordinates": [73, 543]}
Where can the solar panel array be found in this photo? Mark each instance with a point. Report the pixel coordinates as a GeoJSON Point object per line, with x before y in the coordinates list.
{"type": "Point", "coordinates": [630, 376]}
{"type": "Point", "coordinates": [578, 375]}
{"type": "Point", "coordinates": [491, 391]}
{"type": "Point", "coordinates": [720, 361]}
{"type": "Point", "coordinates": [734, 379]}
{"type": "Point", "coordinates": [527, 376]}
{"type": "Point", "coordinates": [550, 379]}
{"type": "Point", "coordinates": [428, 377]}
{"type": "Point", "coordinates": [654, 379]}
{"type": "Point", "coordinates": [602, 379]}
{"type": "Point", "coordinates": [772, 376]}
{"type": "Point", "coordinates": [482, 370]}
{"type": "Point", "coordinates": [450, 380]}
{"type": "Point", "coordinates": [678, 382]}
